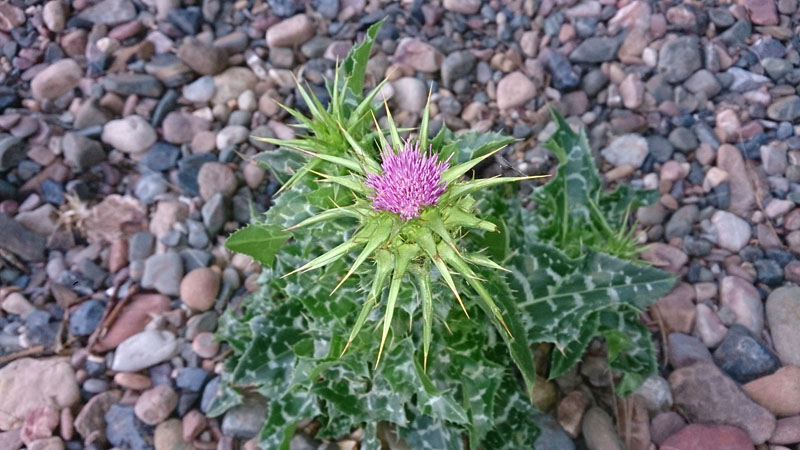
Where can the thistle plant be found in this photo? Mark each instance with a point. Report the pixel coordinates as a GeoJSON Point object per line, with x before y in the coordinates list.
{"type": "Point", "coordinates": [411, 208]}
{"type": "Point", "coordinates": [373, 239]}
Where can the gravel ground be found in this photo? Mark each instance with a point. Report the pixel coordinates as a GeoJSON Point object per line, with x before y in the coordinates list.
{"type": "Point", "coordinates": [122, 132]}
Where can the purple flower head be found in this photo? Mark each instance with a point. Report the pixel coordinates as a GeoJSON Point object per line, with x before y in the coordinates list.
{"type": "Point", "coordinates": [411, 180]}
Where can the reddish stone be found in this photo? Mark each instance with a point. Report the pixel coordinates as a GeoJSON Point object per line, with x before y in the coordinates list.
{"type": "Point", "coordinates": [762, 12]}
{"type": "Point", "coordinates": [676, 309]}
{"type": "Point", "coordinates": [697, 437]}
{"type": "Point", "coordinates": [39, 424]}
{"type": "Point", "coordinates": [787, 431]}
{"type": "Point", "coordinates": [133, 319]}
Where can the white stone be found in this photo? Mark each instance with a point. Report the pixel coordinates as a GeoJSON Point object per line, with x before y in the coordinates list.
{"type": "Point", "coordinates": [144, 350]}
{"type": "Point", "coordinates": [733, 232]}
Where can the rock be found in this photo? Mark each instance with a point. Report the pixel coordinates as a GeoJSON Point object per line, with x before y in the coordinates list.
{"type": "Point", "coordinates": [29, 383]}
{"type": "Point", "coordinates": [410, 94]}
{"type": "Point", "coordinates": [203, 58]}
{"type": "Point", "coordinates": [290, 32]}
{"type": "Point", "coordinates": [632, 91]}
{"type": "Point", "coordinates": [778, 392]}
{"type": "Point", "coordinates": [231, 136]}
{"type": "Point", "coordinates": [215, 212]}
{"type": "Point", "coordinates": [665, 256]}
{"type": "Point", "coordinates": [733, 233]}
{"type": "Point", "coordinates": [457, 65]}
{"type": "Point", "coordinates": [783, 315]}
{"type": "Point", "coordinates": [627, 149]}
{"type": "Point", "coordinates": [56, 80]}
{"type": "Point", "coordinates": [192, 379]}
{"type": "Point", "coordinates": [51, 443]}
{"type": "Point", "coordinates": [571, 410]}
{"type": "Point", "coordinates": [665, 425]}
{"type": "Point", "coordinates": [199, 289]}
{"type": "Point", "coordinates": [683, 139]}
{"type": "Point", "coordinates": [565, 78]}
{"type": "Point", "coordinates": [784, 109]}
{"type": "Point", "coordinates": [515, 89]}
{"type": "Point", "coordinates": [39, 424]}
{"type": "Point", "coordinates": [745, 301]}
{"type": "Point", "coordinates": [743, 357]}
{"type": "Point", "coordinates": [16, 303]}
{"type": "Point", "coordinates": [124, 430]}
{"type": "Point", "coordinates": [109, 12]}
{"type": "Point", "coordinates": [787, 431]}
{"type": "Point", "coordinates": [744, 80]}
{"type": "Point", "coordinates": [12, 151]}
{"type": "Point", "coordinates": [86, 318]}
{"type": "Point", "coordinates": [418, 55]}
{"type": "Point", "coordinates": [598, 431]}
{"type": "Point", "coordinates": [216, 178]}
{"type": "Point", "coordinates": [133, 84]}
{"type": "Point", "coordinates": [54, 15]}
{"type": "Point", "coordinates": [10, 17]}
{"type": "Point", "coordinates": [676, 309]}
{"type": "Point", "coordinates": [133, 318]}
{"type": "Point", "coordinates": [776, 67]}
{"type": "Point", "coordinates": [702, 393]}
{"type": "Point", "coordinates": [681, 222]}
{"type": "Point", "coordinates": [708, 326]}
{"type": "Point", "coordinates": [679, 58]}
{"type": "Point", "coordinates": [762, 12]}
{"type": "Point", "coordinates": [161, 157]}
{"type": "Point", "coordinates": [773, 159]}
{"type": "Point", "coordinates": [703, 82]}
{"type": "Point", "coordinates": [655, 395]}
{"type": "Point", "coordinates": [551, 436]}
{"type": "Point", "coordinates": [231, 83]}
{"type": "Point", "coordinates": [596, 50]}
{"type": "Point", "coordinates": [463, 6]}
{"type": "Point", "coordinates": [181, 128]}
{"type": "Point", "coordinates": [113, 216]}
{"type": "Point", "coordinates": [163, 273]}
{"type": "Point", "coordinates": [169, 436]}
{"type": "Point", "coordinates": [11, 440]}
{"type": "Point", "coordinates": [245, 421]}
{"type": "Point", "coordinates": [90, 421]}
{"type": "Point", "coordinates": [730, 160]}
{"type": "Point", "coordinates": [156, 404]}
{"type": "Point", "coordinates": [205, 346]}
{"type": "Point", "coordinates": [200, 90]}
{"type": "Point", "coordinates": [131, 134]}
{"type": "Point", "coordinates": [80, 152]}
{"type": "Point", "coordinates": [144, 350]}
{"type": "Point", "coordinates": [708, 436]}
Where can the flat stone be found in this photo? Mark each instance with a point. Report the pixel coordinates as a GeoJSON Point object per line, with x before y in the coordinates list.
{"type": "Point", "coordinates": [109, 12]}
{"type": "Point", "coordinates": [133, 84]}
{"type": "Point", "coordinates": [702, 393]}
{"type": "Point", "coordinates": [787, 431]}
{"type": "Point", "coordinates": [216, 178]}
{"type": "Point", "coordinates": [230, 84]}
{"type": "Point", "coordinates": [708, 437]}
{"type": "Point", "coordinates": [676, 309]}
{"type": "Point", "coordinates": [783, 315]}
{"type": "Point", "coordinates": [596, 50]}
{"type": "Point", "coordinates": [778, 392]}
{"type": "Point", "coordinates": [19, 241]}
{"type": "Point", "coordinates": [419, 55]}
{"type": "Point", "coordinates": [784, 109]}
{"type": "Point", "coordinates": [203, 58]}
{"type": "Point", "coordinates": [154, 405]}
{"type": "Point", "coordinates": [457, 65]}
{"type": "Point", "coordinates": [33, 383]}
{"type": "Point", "coordinates": [81, 152]}
{"type": "Point", "coordinates": [730, 160]}
{"type": "Point", "coordinates": [598, 431]}
{"type": "Point", "coordinates": [12, 151]}
{"type": "Point", "coordinates": [132, 320]}
{"type": "Point", "coordinates": [762, 12]}
{"type": "Point", "coordinates": [163, 272]}
{"type": "Point", "coordinates": [410, 94]}
{"type": "Point", "coordinates": [144, 350]}
{"type": "Point", "coordinates": [627, 149]}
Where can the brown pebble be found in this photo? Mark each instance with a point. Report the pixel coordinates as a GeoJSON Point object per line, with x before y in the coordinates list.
{"type": "Point", "coordinates": [199, 288]}
{"type": "Point", "coordinates": [133, 381]}
{"type": "Point", "coordinates": [118, 255]}
{"type": "Point", "coordinates": [204, 345]}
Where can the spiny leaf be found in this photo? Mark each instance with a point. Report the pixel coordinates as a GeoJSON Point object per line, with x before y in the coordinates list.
{"type": "Point", "coordinates": [424, 286]}
{"type": "Point", "coordinates": [355, 64]}
{"type": "Point", "coordinates": [396, 142]}
{"type": "Point", "coordinates": [424, 238]}
{"type": "Point", "coordinates": [330, 214]}
{"type": "Point", "coordinates": [424, 123]}
{"type": "Point", "coordinates": [259, 241]}
{"type": "Point", "coordinates": [347, 181]}
{"type": "Point", "coordinates": [455, 172]}
{"type": "Point", "coordinates": [384, 262]}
